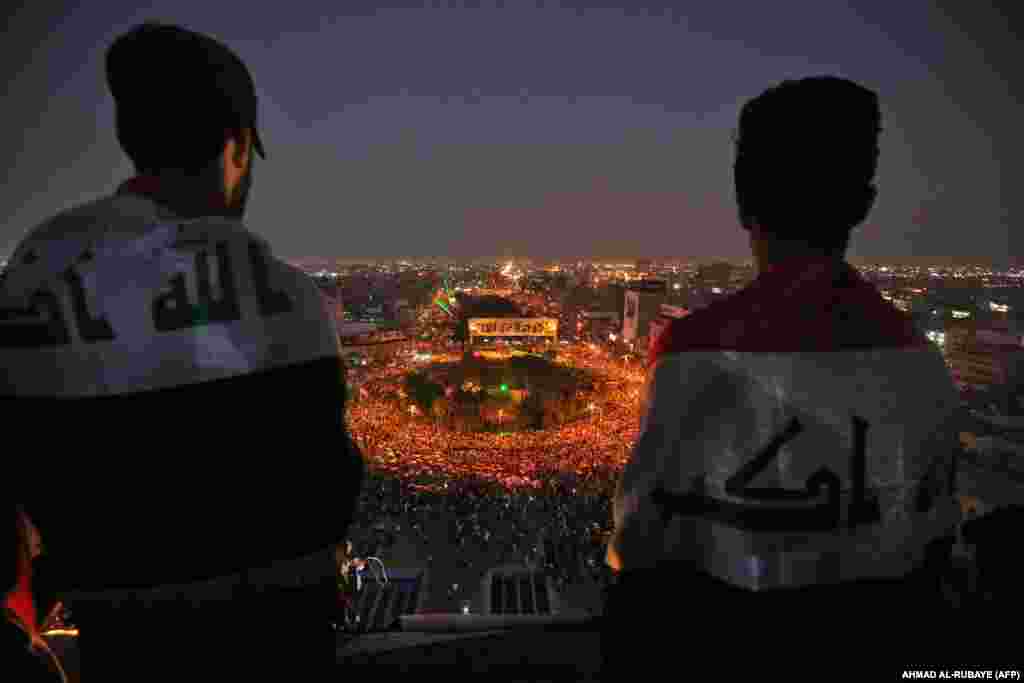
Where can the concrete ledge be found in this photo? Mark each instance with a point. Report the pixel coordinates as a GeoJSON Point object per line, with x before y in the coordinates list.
{"type": "Point", "coordinates": [521, 655]}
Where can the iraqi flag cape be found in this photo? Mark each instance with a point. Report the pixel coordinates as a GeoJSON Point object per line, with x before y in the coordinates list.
{"type": "Point", "coordinates": [799, 432]}
{"type": "Point", "coordinates": [178, 390]}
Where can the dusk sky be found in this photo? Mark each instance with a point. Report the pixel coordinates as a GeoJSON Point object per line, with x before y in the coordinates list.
{"type": "Point", "coordinates": [543, 129]}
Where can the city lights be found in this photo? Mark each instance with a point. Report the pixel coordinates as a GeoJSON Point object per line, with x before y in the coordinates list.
{"type": "Point", "coordinates": [937, 337]}
{"type": "Point", "coordinates": [403, 443]}
{"type": "Point", "coordinates": [414, 442]}
{"type": "Point", "coordinates": [477, 443]}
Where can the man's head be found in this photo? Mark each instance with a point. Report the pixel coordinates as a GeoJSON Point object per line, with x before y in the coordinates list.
{"type": "Point", "coordinates": [186, 109]}
{"type": "Point", "coordinates": [806, 156]}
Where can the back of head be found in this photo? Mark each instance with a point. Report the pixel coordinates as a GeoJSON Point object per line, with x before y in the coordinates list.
{"type": "Point", "coordinates": [178, 94]}
{"type": "Point", "coordinates": [806, 156]}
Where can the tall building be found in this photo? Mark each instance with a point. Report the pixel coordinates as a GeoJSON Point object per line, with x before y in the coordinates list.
{"type": "Point", "coordinates": [984, 355]}
{"type": "Point", "coordinates": [666, 315]}
{"type": "Point", "coordinates": [641, 305]}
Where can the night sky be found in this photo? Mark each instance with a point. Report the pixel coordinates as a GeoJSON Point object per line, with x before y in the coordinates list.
{"type": "Point", "coordinates": [541, 129]}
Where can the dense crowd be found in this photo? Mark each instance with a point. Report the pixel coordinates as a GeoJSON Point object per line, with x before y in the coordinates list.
{"type": "Point", "coordinates": [563, 527]}
{"type": "Point", "coordinates": [542, 497]}
{"type": "Point", "coordinates": [594, 449]}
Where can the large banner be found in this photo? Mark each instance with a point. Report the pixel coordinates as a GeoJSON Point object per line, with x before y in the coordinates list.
{"type": "Point", "coordinates": [513, 327]}
{"type": "Point", "coordinates": [630, 316]}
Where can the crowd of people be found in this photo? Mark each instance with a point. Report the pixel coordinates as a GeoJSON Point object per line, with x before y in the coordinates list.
{"type": "Point", "coordinates": [544, 496]}
{"type": "Point", "coordinates": [563, 527]}
{"type": "Point", "coordinates": [398, 442]}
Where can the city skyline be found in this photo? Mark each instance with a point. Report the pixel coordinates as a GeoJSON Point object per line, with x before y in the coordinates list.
{"type": "Point", "coordinates": [1001, 263]}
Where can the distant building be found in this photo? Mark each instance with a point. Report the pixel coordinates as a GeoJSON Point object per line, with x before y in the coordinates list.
{"type": "Point", "coordinates": [641, 305]}
{"type": "Point", "coordinates": [665, 317]}
{"type": "Point", "coordinates": [598, 325]}
{"type": "Point", "coordinates": [714, 276]}
{"type": "Point", "coordinates": [355, 331]}
{"type": "Point", "coordinates": [371, 341]}
{"type": "Point", "coordinates": [984, 356]}
{"type": "Point", "coordinates": [899, 299]}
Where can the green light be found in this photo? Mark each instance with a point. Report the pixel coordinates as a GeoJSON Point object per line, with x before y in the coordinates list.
{"type": "Point", "coordinates": [504, 387]}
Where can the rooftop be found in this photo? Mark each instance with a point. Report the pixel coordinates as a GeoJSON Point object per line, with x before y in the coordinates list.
{"type": "Point", "coordinates": [549, 653]}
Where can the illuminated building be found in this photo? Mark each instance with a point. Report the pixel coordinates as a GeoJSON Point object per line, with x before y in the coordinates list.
{"type": "Point", "coordinates": [665, 317]}
{"type": "Point", "coordinates": [641, 304]}
{"type": "Point", "coordinates": [372, 342]}
{"type": "Point", "coordinates": [984, 357]}
{"type": "Point", "coordinates": [597, 326]}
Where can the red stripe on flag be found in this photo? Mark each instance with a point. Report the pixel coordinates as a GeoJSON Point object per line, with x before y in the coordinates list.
{"type": "Point", "coordinates": [781, 312]}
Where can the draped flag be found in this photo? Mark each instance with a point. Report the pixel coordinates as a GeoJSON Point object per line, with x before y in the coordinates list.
{"type": "Point", "coordinates": [801, 431]}
{"type": "Point", "coordinates": [170, 367]}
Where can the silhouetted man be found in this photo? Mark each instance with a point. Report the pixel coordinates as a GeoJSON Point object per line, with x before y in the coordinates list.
{"type": "Point", "coordinates": [180, 392]}
{"type": "Point", "coordinates": [795, 460]}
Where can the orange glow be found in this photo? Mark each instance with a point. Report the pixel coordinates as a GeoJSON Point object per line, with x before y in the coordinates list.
{"type": "Point", "coordinates": [71, 632]}
{"type": "Point", "coordinates": [394, 442]}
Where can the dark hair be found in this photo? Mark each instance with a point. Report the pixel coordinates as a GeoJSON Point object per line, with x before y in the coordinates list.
{"type": "Point", "coordinates": [151, 71]}
{"type": "Point", "coordinates": [806, 156]}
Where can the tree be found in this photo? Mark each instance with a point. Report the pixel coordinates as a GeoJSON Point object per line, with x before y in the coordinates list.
{"type": "Point", "coordinates": [533, 407]}
{"type": "Point", "coordinates": [422, 391]}
{"type": "Point", "coordinates": [461, 333]}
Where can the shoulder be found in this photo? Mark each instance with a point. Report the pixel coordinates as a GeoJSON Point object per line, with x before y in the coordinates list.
{"type": "Point", "coordinates": [881, 324]}
{"type": "Point", "coordinates": [707, 329]}
{"type": "Point", "coordinates": [70, 222]}
{"type": "Point", "coordinates": [295, 291]}
{"type": "Point", "coordinates": [256, 249]}
{"type": "Point", "coordinates": [848, 316]}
